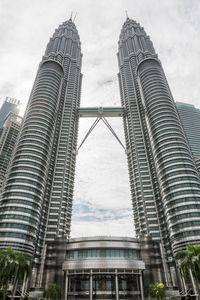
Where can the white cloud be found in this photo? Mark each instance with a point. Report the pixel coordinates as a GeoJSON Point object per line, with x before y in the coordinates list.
{"type": "Point", "coordinates": [123, 227]}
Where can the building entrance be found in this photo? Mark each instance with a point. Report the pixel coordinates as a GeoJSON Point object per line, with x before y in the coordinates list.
{"type": "Point", "coordinates": [105, 286]}
{"type": "Point", "coordinates": [109, 268]}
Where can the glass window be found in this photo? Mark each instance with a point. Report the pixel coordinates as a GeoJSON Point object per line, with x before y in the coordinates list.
{"type": "Point", "coordinates": [78, 283]}
{"type": "Point", "coordinates": [103, 283]}
{"type": "Point", "coordinates": [128, 283]}
{"type": "Point", "coordinates": [128, 253]}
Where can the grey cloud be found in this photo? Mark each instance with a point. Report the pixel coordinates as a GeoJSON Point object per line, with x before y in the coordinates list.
{"type": "Point", "coordinates": [107, 82]}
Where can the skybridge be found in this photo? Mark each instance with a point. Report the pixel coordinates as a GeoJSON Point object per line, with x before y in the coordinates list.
{"type": "Point", "coordinates": [100, 114]}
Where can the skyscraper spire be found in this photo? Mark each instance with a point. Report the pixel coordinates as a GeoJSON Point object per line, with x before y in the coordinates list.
{"type": "Point", "coordinates": [75, 16]}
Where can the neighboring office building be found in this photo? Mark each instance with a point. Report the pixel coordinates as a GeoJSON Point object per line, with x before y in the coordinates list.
{"type": "Point", "coordinates": [8, 140]}
{"type": "Point", "coordinates": [165, 184]}
{"type": "Point", "coordinates": [9, 105]}
{"type": "Point", "coordinates": [198, 164]}
{"type": "Point", "coordinates": [190, 118]}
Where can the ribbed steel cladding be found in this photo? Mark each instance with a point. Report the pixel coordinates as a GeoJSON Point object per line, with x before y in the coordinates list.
{"type": "Point", "coordinates": [32, 153]}
{"type": "Point", "coordinates": [173, 154]}
{"type": "Point", "coordinates": [134, 166]}
{"type": "Point", "coordinates": [146, 218]}
{"type": "Point", "coordinates": [64, 189]}
{"type": "Point", "coordinates": [164, 143]}
{"type": "Point", "coordinates": [31, 176]}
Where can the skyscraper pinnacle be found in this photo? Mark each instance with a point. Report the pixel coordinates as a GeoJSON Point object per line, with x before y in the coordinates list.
{"type": "Point", "coordinates": [134, 41]}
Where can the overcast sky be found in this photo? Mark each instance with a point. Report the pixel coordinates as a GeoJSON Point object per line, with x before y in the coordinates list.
{"type": "Point", "coordinates": [102, 202]}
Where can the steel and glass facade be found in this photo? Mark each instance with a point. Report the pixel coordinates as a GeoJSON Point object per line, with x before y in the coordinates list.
{"type": "Point", "coordinates": [39, 187]}
{"type": "Point", "coordinates": [190, 118]}
{"type": "Point", "coordinates": [165, 184]}
{"type": "Point", "coordinates": [8, 141]}
{"type": "Point", "coordinates": [9, 105]}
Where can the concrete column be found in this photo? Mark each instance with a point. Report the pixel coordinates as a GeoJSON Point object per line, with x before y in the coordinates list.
{"type": "Point", "coordinates": [141, 286]}
{"type": "Point", "coordinates": [165, 266]}
{"type": "Point", "coordinates": [91, 289]}
{"type": "Point", "coordinates": [116, 285]}
{"type": "Point", "coordinates": [66, 285]}
{"type": "Point", "coordinates": [41, 270]}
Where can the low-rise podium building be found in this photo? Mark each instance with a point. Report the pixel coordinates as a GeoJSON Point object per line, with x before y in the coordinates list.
{"type": "Point", "coordinates": [102, 267]}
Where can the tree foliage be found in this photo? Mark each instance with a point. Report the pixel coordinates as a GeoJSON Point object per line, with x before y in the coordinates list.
{"type": "Point", "coordinates": [157, 290]}
{"type": "Point", "coordinates": [14, 267]}
{"type": "Point", "coordinates": [26, 297]}
{"type": "Point", "coordinates": [189, 263]}
{"type": "Point", "coordinates": [53, 292]}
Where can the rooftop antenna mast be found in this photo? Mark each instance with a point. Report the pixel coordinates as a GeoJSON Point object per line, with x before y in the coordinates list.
{"type": "Point", "coordinates": [126, 14]}
{"type": "Point", "coordinates": [75, 16]}
{"type": "Point", "coordinates": [71, 15]}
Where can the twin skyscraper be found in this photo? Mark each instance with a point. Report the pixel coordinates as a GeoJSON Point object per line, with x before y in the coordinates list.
{"type": "Point", "coordinates": [36, 200]}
